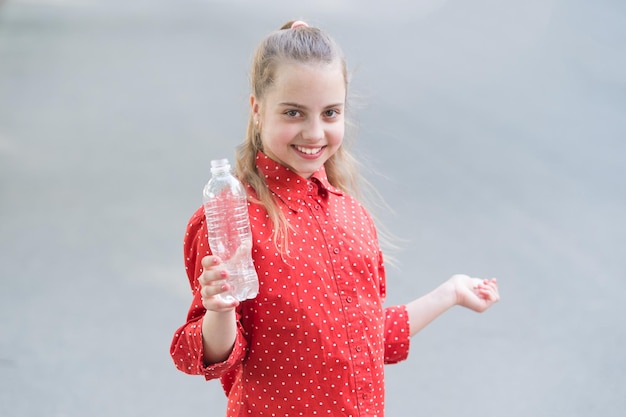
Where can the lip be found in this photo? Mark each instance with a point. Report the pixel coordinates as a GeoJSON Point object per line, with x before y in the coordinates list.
{"type": "Point", "coordinates": [308, 152]}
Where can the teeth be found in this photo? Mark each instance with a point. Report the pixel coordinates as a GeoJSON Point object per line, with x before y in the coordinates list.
{"type": "Point", "coordinates": [308, 151]}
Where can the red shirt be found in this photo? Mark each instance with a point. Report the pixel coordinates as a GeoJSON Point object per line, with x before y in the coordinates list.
{"type": "Point", "coordinates": [315, 339]}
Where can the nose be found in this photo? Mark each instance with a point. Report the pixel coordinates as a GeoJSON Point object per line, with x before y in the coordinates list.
{"type": "Point", "coordinates": [313, 131]}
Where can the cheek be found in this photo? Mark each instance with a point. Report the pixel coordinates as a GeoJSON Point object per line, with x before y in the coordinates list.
{"type": "Point", "coordinates": [276, 135]}
{"type": "Point", "coordinates": [336, 135]}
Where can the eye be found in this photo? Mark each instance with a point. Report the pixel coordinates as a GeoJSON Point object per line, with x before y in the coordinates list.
{"type": "Point", "coordinates": [331, 113]}
{"type": "Point", "coordinates": [292, 113]}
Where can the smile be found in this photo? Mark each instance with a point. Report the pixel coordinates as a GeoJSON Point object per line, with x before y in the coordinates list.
{"type": "Point", "coordinates": [308, 151]}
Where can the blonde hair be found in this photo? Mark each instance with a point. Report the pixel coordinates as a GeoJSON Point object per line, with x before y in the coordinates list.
{"type": "Point", "coordinates": [304, 45]}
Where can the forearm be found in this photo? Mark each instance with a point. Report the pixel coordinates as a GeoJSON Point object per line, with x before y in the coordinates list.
{"type": "Point", "coordinates": [427, 308]}
{"type": "Point", "coordinates": [219, 331]}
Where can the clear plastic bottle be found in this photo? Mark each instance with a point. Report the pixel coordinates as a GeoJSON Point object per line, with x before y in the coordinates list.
{"type": "Point", "coordinates": [230, 238]}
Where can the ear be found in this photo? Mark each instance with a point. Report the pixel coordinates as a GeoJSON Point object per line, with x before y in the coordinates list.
{"type": "Point", "coordinates": [255, 107]}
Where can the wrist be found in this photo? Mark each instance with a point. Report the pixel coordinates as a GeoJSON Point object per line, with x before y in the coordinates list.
{"type": "Point", "coordinates": [447, 294]}
{"type": "Point", "coordinates": [219, 314]}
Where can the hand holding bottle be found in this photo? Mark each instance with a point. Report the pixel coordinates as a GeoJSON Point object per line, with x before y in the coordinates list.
{"type": "Point", "coordinates": [213, 282]}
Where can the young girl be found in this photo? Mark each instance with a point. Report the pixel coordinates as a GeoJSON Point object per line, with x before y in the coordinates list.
{"type": "Point", "coordinates": [315, 339]}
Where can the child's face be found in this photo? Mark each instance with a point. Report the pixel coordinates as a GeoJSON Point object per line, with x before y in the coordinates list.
{"type": "Point", "coordinates": [301, 117]}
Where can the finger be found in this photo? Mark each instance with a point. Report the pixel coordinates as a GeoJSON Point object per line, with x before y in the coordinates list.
{"type": "Point", "coordinates": [486, 294]}
{"type": "Point", "coordinates": [210, 261]}
{"type": "Point", "coordinates": [218, 305]}
{"type": "Point", "coordinates": [213, 288]}
{"type": "Point", "coordinates": [493, 284]}
{"type": "Point", "coordinates": [210, 299]}
{"type": "Point", "coordinates": [489, 293]}
{"type": "Point", "coordinates": [212, 275]}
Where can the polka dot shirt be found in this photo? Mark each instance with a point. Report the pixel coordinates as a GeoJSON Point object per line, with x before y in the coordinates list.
{"type": "Point", "coordinates": [315, 339]}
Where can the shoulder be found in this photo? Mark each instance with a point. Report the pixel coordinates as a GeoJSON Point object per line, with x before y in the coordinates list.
{"type": "Point", "coordinates": [195, 246]}
{"type": "Point", "coordinates": [197, 219]}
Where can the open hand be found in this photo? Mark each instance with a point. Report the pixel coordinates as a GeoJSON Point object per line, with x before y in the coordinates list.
{"type": "Point", "coordinates": [475, 293]}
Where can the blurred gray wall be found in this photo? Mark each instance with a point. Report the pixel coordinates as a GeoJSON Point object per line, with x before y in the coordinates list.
{"type": "Point", "coordinates": [495, 130]}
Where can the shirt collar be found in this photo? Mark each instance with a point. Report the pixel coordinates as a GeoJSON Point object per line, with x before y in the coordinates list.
{"type": "Point", "coordinates": [290, 187]}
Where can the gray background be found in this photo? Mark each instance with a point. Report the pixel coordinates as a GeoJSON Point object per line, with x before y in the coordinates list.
{"type": "Point", "coordinates": [494, 129]}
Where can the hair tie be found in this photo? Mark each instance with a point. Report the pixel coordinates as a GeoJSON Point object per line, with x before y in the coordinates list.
{"type": "Point", "coordinates": [299, 23]}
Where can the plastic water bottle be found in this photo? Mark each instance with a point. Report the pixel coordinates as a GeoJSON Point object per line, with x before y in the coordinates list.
{"type": "Point", "coordinates": [226, 212]}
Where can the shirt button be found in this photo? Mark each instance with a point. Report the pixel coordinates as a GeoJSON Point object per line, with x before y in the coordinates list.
{"type": "Point", "coordinates": [310, 187]}
{"type": "Point", "coordinates": [317, 207]}
{"type": "Point", "coordinates": [365, 396]}
{"type": "Point", "coordinates": [336, 250]}
{"type": "Point", "coordinates": [358, 348]}
{"type": "Point", "coordinates": [349, 299]}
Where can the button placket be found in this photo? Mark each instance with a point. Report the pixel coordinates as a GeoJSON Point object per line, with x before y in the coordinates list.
{"type": "Point", "coordinates": [355, 327]}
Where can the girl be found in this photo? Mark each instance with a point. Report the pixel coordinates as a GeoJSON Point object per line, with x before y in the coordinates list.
{"type": "Point", "coordinates": [316, 337]}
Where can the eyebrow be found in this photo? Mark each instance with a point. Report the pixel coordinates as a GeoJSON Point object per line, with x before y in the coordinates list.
{"type": "Point", "coordinates": [300, 106]}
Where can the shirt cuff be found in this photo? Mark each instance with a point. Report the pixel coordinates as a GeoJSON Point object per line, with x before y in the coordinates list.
{"type": "Point", "coordinates": [235, 358]}
{"type": "Point", "coordinates": [397, 334]}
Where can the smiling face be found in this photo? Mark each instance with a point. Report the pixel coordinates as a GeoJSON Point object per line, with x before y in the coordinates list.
{"type": "Point", "coordinates": [301, 117]}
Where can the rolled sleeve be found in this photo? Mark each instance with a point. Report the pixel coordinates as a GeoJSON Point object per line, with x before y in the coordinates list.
{"type": "Point", "coordinates": [187, 348]}
{"type": "Point", "coordinates": [397, 335]}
